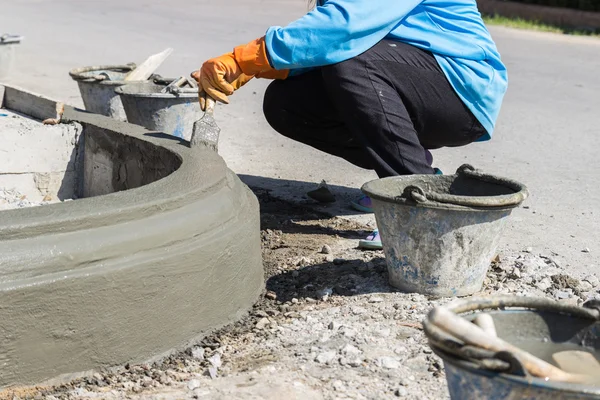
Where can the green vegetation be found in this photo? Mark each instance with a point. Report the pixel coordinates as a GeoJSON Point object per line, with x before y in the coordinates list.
{"type": "Point", "coordinates": [583, 5]}
{"type": "Point", "coordinates": [520, 23]}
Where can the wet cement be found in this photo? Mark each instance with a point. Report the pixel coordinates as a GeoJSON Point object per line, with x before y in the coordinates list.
{"type": "Point", "coordinates": [170, 255]}
{"type": "Point", "coordinates": [545, 351]}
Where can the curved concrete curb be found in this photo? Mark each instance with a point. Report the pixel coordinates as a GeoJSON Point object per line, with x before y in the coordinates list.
{"type": "Point", "coordinates": [131, 275]}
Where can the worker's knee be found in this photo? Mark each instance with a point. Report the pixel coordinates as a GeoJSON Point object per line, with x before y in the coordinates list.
{"type": "Point", "coordinates": [273, 105]}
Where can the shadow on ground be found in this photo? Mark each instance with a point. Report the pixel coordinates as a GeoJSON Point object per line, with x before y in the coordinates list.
{"type": "Point", "coordinates": [341, 277]}
{"type": "Point", "coordinates": [295, 191]}
{"type": "Point", "coordinates": [161, 135]}
{"type": "Point", "coordinates": [290, 217]}
{"type": "Point", "coordinates": [293, 237]}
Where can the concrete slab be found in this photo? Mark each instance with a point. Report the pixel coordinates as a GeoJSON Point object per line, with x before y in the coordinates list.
{"type": "Point", "coordinates": [38, 160]}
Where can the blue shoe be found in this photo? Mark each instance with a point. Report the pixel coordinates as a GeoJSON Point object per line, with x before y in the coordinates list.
{"type": "Point", "coordinates": [363, 204]}
{"type": "Point", "coordinates": [372, 242]}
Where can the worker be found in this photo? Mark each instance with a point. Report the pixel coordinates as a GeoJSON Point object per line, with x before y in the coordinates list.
{"type": "Point", "coordinates": [377, 82]}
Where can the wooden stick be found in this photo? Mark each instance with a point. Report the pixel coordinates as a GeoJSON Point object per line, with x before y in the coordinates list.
{"type": "Point", "coordinates": [472, 334]}
{"type": "Point", "coordinates": [486, 323]}
{"type": "Point", "coordinates": [147, 68]}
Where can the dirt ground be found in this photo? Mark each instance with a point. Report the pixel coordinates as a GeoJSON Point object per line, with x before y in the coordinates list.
{"type": "Point", "coordinates": [327, 327]}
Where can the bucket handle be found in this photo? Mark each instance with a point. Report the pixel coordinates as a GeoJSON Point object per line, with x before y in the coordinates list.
{"type": "Point", "coordinates": [78, 73]}
{"type": "Point", "coordinates": [419, 195]}
{"type": "Point", "coordinates": [589, 309]}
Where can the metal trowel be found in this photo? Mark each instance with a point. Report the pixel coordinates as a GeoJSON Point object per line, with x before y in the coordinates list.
{"type": "Point", "coordinates": [206, 131]}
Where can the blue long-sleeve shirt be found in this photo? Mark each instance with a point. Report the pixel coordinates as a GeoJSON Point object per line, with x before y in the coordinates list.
{"type": "Point", "coordinates": [337, 30]}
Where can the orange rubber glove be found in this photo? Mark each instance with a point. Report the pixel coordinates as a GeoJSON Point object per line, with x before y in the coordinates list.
{"type": "Point", "coordinates": [219, 77]}
{"type": "Point", "coordinates": [253, 60]}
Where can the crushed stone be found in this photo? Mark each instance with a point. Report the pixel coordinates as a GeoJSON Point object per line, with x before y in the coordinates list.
{"type": "Point", "coordinates": [11, 199]}
{"type": "Point", "coordinates": [328, 330]}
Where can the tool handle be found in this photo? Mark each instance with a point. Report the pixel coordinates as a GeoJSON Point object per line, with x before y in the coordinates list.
{"type": "Point", "coordinates": [486, 322]}
{"type": "Point", "coordinates": [175, 85]}
{"type": "Point", "coordinates": [473, 335]}
{"type": "Point", "coordinates": [209, 102]}
{"type": "Point", "coordinates": [210, 105]}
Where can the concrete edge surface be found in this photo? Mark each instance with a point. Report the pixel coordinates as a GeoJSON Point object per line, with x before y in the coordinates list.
{"type": "Point", "coordinates": [129, 276]}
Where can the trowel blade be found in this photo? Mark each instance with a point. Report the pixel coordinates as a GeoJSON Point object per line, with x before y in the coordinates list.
{"type": "Point", "coordinates": [206, 132]}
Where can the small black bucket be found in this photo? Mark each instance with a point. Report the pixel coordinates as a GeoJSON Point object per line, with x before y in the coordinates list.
{"type": "Point", "coordinates": [539, 326]}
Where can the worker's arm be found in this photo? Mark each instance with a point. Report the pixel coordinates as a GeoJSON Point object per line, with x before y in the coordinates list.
{"type": "Point", "coordinates": [334, 32]}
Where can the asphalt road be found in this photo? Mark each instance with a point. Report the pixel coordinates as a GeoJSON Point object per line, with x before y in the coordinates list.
{"type": "Point", "coordinates": [547, 135]}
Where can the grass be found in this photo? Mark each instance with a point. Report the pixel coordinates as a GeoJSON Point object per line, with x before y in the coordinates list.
{"type": "Point", "coordinates": [520, 23]}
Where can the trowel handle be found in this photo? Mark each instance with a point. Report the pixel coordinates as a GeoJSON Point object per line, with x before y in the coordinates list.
{"type": "Point", "coordinates": [209, 102]}
{"type": "Point", "coordinates": [210, 105]}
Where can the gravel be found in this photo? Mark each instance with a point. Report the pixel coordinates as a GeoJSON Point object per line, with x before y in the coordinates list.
{"type": "Point", "coordinates": [11, 199]}
{"type": "Point", "coordinates": [335, 329]}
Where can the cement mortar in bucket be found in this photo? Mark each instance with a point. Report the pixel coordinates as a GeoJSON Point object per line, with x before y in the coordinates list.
{"type": "Point", "coordinates": [440, 232]}
{"type": "Point", "coordinates": [173, 113]}
{"type": "Point", "coordinates": [97, 86]}
{"type": "Point", "coordinates": [8, 52]}
{"type": "Point", "coordinates": [540, 327]}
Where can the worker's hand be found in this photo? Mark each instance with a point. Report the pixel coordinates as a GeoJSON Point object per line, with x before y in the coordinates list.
{"type": "Point", "coordinates": [238, 83]}
{"type": "Point", "coordinates": [219, 77]}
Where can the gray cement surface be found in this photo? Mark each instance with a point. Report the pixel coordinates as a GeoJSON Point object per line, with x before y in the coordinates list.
{"type": "Point", "coordinates": [546, 135]}
{"type": "Point", "coordinates": [184, 235]}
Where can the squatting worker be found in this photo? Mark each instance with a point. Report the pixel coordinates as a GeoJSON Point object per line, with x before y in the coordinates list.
{"type": "Point", "coordinates": [376, 82]}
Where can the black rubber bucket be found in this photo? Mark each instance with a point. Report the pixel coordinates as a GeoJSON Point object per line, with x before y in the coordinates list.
{"type": "Point", "coordinates": [538, 326]}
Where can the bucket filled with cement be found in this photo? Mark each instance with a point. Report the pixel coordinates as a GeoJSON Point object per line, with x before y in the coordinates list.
{"type": "Point", "coordinates": [440, 232]}
{"type": "Point", "coordinates": [8, 52]}
{"type": "Point", "coordinates": [515, 347]}
{"type": "Point", "coordinates": [158, 107]}
{"type": "Point", "coordinates": [97, 86]}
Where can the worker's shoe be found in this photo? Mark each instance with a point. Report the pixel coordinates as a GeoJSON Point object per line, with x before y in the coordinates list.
{"type": "Point", "coordinates": [372, 242]}
{"type": "Point", "coordinates": [364, 204]}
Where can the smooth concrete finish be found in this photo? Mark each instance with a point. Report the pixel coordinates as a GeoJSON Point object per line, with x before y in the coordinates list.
{"type": "Point", "coordinates": [171, 254]}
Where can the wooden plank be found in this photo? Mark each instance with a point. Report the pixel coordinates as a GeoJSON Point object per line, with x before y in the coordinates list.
{"type": "Point", "coordinates": [147, 68]}
{"type": "Point", "coordinates": [30, 104]}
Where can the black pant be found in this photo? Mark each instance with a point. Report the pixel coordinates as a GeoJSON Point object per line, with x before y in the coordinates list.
{"type": "Point", "coordinates": [380, 110]}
